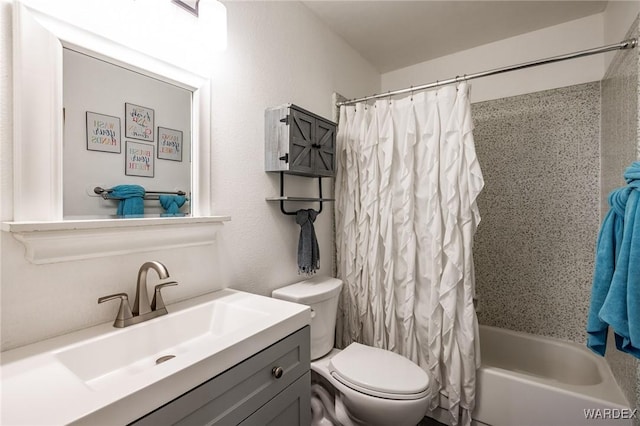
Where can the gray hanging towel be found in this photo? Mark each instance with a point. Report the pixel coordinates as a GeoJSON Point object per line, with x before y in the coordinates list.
{"type": "Point", "coordinates": [308, 250]}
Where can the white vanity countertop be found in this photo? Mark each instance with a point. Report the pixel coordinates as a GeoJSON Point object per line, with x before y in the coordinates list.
{"type": "Point", "coordinates": [42, 384]}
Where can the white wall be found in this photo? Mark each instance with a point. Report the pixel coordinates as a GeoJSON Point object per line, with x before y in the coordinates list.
{"type": "Point", "coordinates": [572, 36]}
{"type": "Point", "coordinates": [277, 52]}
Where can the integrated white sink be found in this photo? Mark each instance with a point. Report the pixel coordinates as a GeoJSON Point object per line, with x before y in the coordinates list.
{"type": "Point", "coordinates": [104, 374]}
{"type": "Point", "coordinates": [109, 359]}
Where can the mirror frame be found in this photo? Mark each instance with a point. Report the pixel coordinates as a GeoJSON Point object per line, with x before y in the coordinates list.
{"type": "Point", "coordinates": [39, 40]}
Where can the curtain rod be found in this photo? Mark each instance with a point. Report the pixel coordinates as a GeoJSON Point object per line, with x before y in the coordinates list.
{"type": "Point", "coordinates": [626, 44]}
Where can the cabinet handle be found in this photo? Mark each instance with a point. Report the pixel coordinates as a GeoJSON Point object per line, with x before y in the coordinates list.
{"type": "Point", "coordinates": [277, 372]}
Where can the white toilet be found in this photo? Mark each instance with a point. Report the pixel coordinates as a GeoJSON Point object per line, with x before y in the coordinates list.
{"type": "Point", "coordinates": [359, 385]}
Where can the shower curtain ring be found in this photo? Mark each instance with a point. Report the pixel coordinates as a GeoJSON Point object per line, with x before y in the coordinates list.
{"type": "Point", "coordinates": [411, 87]}
{"type": "Point", "coordinates": [389, 96]}
{"type": "Point", "coordinates": [464, 78]}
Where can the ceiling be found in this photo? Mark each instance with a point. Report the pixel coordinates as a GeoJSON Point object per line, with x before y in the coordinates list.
{"type": "Point", "coordinates": [394, 34]}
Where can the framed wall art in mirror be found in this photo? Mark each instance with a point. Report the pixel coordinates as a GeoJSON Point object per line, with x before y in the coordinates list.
{"type": "Point", "coordinates": [139, 122]}
{"type": "Point", "coordinates": [103, 132]}
{"type": "Point", "coordinates": [170, 145]}
{"type": "Point", "coordinates": [139, 159]}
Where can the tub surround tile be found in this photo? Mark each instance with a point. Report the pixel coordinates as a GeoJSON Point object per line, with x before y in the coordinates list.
{"type": "Point", "coordinates": [620, 145]}
{"type": "Point", "coordinates": [549, 161]}
{"type": "Point", "coordinates": [638, 390]}
{"type": "Point", "coordinates": [534, 248]}
{"type": "Point", "coordinates": [620, 125]}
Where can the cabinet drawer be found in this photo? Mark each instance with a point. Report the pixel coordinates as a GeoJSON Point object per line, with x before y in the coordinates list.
{"type": "Point", "coordinates": [233, 395]}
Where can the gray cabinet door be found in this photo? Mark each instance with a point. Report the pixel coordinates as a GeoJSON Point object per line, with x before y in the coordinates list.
{"type": "Point", "coordinates": [232, 396]}
{"type": "Point", "coordinates": [302, 136]}
{"type": "Point", "coordinates": [288, 408]}
{"type": "Point", "coordinates": [324, 148]}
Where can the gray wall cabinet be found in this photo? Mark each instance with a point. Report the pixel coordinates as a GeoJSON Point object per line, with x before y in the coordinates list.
{"type": "Point", "coordinates": [299, 142]}
{"type": "Point", "coordinates": [270, 388]}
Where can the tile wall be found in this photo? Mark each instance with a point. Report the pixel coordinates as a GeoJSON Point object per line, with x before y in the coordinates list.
{"type": "Point", "coordinates": [540, 156]}
{"type": "Point", "coordinates": [620, 145]}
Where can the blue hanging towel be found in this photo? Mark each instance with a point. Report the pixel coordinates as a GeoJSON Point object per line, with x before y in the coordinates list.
{"type": "Point", "coordinates": [131, 199]}
{"type": "Point", "coordinates": [615, 299]}
{"type": "Point", "coordinates": [172, 203]}
{"type": "Point", "coordinates": [607, 249]}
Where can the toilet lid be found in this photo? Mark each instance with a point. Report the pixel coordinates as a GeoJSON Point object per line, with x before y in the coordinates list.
{"type": "Point", "coordinates": [379, 372]}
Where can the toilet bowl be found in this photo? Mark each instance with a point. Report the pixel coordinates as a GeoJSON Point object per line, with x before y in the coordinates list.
{"type": "Point", "coordinates": [359, 385]}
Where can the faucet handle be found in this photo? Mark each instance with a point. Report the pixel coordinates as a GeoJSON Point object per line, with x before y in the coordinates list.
{"type": "Point", "coordinates": [157, 304]}
{"type": "Point", "coordinates": [124, 313]}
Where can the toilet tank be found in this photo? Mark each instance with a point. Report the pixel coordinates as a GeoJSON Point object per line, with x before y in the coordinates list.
{"type": "Point", "coordinates": [321, 294]}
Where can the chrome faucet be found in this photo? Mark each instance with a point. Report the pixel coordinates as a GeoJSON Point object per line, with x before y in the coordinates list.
{"type": "Point", "coordinates": [142, 309]}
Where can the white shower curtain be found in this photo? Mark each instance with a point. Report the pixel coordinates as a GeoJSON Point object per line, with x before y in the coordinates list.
{"type": "Point", "coordinates": [406, 187]}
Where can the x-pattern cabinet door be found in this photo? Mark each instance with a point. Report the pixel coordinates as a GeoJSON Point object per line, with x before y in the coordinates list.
{"type": "Point", "coordinates": [302, 137]}
{"type": "Point", "coordinates": [324, 148]}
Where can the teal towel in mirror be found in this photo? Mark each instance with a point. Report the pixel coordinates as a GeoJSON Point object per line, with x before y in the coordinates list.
{"type": "Point", "coordinates": [615, 299]}
{"type": "Point", "coordinates": [172, 203]}
{"type": "Point", "coordinates": [131, 199]}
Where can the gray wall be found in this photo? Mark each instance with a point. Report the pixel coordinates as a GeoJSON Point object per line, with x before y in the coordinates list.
{"type": "Point", "coordinates": [620, 145]}
{"type": "Point", "coordinates": [534, 249]}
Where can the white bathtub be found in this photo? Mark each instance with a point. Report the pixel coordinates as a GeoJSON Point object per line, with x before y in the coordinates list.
{"type": "Point", "coordinates": [533, 380]}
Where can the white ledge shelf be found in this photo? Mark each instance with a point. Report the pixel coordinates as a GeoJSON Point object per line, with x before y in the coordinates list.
{"type": "Point", "coordinates": [68, 240]}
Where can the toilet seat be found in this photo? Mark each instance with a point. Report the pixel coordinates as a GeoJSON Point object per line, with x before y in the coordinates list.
{"type": "Point", "coordinates": [378, 372]}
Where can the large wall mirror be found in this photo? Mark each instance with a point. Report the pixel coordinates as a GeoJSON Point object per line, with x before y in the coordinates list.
{"type": "Point", "coordinates": [123, 128]}
{"type": "Point", "coordinates": [92, 113]}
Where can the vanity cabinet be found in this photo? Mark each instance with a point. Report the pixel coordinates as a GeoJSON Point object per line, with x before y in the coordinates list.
{"type": "Point", "coordinates": [299, 142]}
{"type": "Point", "coordinates": [270, 388]}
